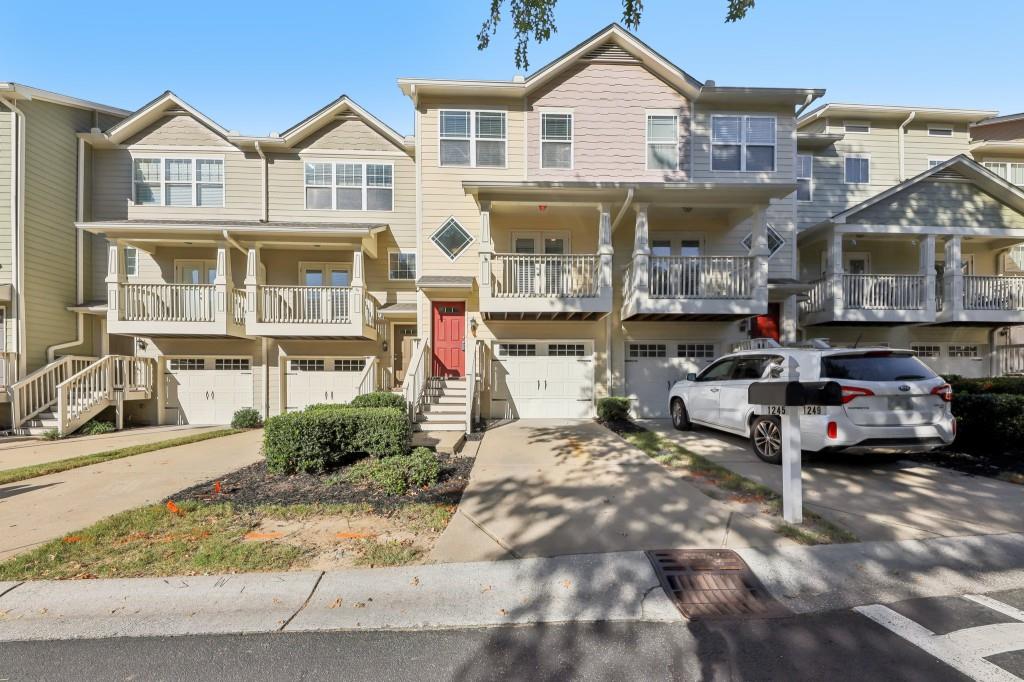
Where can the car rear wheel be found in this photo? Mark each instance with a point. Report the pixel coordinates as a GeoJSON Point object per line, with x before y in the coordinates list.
{"type": "Point", "coordinates": [680, 417]}
{"type": "Point", "coordinates": [766, 439]}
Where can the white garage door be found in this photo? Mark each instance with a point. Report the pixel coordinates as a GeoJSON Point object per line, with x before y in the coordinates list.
{"type": "Point", "coordinates": [322, 380]}
{"type": "Point", "coordinates": [652, 368]}
{"type": "Point", "coordinates": [543, 379]}
{"type": "Point", "coordinates": [207, 390]}
{"type": "Point", "coordinates": [963, 359]}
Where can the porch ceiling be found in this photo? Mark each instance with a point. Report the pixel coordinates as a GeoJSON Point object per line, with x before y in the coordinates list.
{"type": "Point", "coordinates": [693, 194]}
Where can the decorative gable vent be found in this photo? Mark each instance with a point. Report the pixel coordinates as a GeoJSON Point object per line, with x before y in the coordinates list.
{"type": "Point", "coordinates": [947, 174]}
{"type": "Point", "coordinates": [610, 52]}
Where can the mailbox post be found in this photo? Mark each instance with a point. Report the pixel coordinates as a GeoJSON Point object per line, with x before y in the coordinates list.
{"type": "Point", "coordinates": [786, 399]}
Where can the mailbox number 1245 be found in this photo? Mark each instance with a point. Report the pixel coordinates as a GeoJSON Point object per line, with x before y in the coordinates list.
{"type": "Point", "coordinates": [807, 409]}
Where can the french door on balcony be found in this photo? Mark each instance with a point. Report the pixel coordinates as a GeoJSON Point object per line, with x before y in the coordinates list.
{"type": "Point", "coordinates": [193, 300]}
{"type": "Point", "coordinates": [540, 276]}
{"type": "Point", "coordinates": [678, 275]}
{"type": "Point", "coordinates": [325, 275]}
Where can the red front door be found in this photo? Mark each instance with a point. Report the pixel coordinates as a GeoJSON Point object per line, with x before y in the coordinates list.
{"type": "Point", "coordinates": [767, 326]}
{"type": "Point", "coordinates": [449, 339]}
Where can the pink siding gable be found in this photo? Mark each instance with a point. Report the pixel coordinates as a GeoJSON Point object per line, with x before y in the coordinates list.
{"type": "Point", "coordinates": [608, 102]}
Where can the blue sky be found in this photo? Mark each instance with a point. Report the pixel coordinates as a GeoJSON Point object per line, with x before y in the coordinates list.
{"type": "Point", "coordinates": [261, 67]}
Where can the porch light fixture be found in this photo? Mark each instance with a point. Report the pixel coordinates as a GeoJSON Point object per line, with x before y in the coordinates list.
{"type": "Point", "coordinates": [542, 207]}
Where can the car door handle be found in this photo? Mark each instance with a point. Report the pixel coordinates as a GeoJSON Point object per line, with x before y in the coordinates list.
{"type": "Point", "coordinates": [713, 390]}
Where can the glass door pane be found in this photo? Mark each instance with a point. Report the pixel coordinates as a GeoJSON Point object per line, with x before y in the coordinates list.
{"type": "Point", "coordinates": [524, 269]}
{"type": "Point", "coordinates": [554, 268]}
{"type": "Point", "coordinates": [311, 309]}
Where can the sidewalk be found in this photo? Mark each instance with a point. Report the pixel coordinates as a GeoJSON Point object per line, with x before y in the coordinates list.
{"type": "Point", "coordinates": [47, 507]}
{"type": "Point", "coordinates": [583, 588]}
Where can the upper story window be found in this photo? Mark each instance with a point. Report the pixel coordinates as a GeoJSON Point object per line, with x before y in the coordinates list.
{"type": "Point", "coordinates": [932, 163]}
{"type": "Point", "coordinates": [349, 186]}
{"type": "Point", "coordinates": [178, 181]}
{"type": "Point", "coordinates": [743, 143]}
{"type": "Point", "coordinates": [804, 177]}
{"type": "Point", "coordinates": [401, 265]}
{"type": "Point", "coordinates": [940, 130]}
{"type": "Point", "coordinates": [131, 261]}
{"type": "Point", "coordinates": [473, 138]}
{"type": "Point", "coordinates": [858, 170]}
{"type": "Point", "coordinates": [857, 126]}
{"type": "Point", "coordinates": [556, 140]}
{"type": "Point", "coordinates": [662, 141]}
{"type": "Point", "coordinates": [1011, 172]}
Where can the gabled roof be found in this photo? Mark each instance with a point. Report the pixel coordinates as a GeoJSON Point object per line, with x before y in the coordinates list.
{"type": "Point", "coordinates": [327, 114]}
{"type": "Point", "coordinates": [18, 91]}
{"type": "Point", "coordinates": [982, 177]}
{"type": "Point", "coordinates": [154, 111]}
{"type": "Point", "coordinates": [998, 119]}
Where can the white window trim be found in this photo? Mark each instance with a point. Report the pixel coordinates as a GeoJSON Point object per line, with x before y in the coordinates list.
{"type": "Point", "coordinates": [846, 180]}
{"type": "Point", "coordinates": [325, 267]}
{"type": "Point", "coordinates": [334, 184]}
{"type": "Point", "coordinates": [472, 239]}
{"type": "Point", "coordinates": [572, 138]}
{"type": "Point", "coordinates": [742, 144]}
{"type": "Point", "coordinates": [854, 122]}
{"type": "Point", "coordinates": [127, 271]}
{"type": "Point", "coordinates": [941, 126]}
{"type": "Point", "coordinates": [647, 138]}
{"type": "Point", "coordinates": [540, 236]}
{"type": "Point", "coordinates": [472, 137]}
{"type": "Point", "coordinates": [415, 263]}
{"type": "Point", "coordinates": [809, 178]}
{"type": "Point", "coordinates": [1006, 162]}
{"type": "Point", "coordinates": [163, 178]}
{"type": "Point", "coordinates": [207, 263]}
{"type": "Point", "coordinates": [934, 161]}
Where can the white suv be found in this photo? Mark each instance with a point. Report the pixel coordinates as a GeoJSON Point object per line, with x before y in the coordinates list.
{"type": "Point", "coordinates": [892, 402]}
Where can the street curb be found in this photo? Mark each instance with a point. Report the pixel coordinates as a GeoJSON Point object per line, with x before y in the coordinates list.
{"type": "Point", "coordinates": [830, 577]}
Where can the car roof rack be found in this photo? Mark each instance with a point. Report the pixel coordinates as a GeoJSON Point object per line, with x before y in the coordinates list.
{"type": "Point", "coordinates": [816, 344]}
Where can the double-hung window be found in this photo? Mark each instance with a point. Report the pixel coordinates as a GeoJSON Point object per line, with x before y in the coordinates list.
{"type": "Point", "coordinates": [743, 143]}
{"type": "Point", "coordinates": [857, 170]}
{"type": "Point", "coordinates": [178, 181]}
{"type": "Point", "coordinates": [472, 138]}
{"type": "Point", "coordinates": [555, 140]}
{"type": "Point", "coordinates": [131, 261]}
{"type": "Point", "coordinates": [1011, 172]}
{"type": "Point", "coordinates": [662, 141]}
{"type": "Point", "coordinates": [401, 265]}
{"type": "Point", "coordinates": [804, 177]}
{"type": "Point", "coordinates": [349, 186]}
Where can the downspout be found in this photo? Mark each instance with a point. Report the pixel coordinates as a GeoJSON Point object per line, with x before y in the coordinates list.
{"type": "Point", "coordinates": [625, 206]}
{"type": "Point", "coordinates": [608, 318]}
{"type": "Point", "coordinates": [231, 240]}
{"type": "Point", "coordinates": [17, 218]}
{"type": "Point", "coordinates": [264, 200]}
{"type": "Point", "coordinates": [807, 102]}
{"type": "Point", "coordinates": [902, 131]}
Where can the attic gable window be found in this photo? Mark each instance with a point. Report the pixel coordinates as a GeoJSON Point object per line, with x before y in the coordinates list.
{"type": "Point", "coordinates": [472, 138]}
{"type": "Point", "coordinates": [178, 181]}
{"type": "Point", "coordinates": [743, 143]}
{"type": "Point", "coordinates": [940, 130]}
{"type": "Point", "coordinates": [349, 186]}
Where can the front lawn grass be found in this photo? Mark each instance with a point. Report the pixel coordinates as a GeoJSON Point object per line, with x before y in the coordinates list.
{"type": "Point", "coordinates": [34, 470]}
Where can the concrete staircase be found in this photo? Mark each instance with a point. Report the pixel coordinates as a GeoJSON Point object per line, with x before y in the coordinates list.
{"type": "Point", "coordinates": [441, 419]}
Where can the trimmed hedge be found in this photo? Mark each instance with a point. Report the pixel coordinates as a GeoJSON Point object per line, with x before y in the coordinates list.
{"type": "Point", "coordinates": [323, 436]}
{"type": "Point", "coordinates": [1000, 385]}
{"type": "Point", "coordinates": [989, 422]}
{"type": "Point", "coordinates": [379, 399]}
{"type": "Point", "coordinates": [397, 475]}
{"type": "Point", "coordinates": [613, 409]}
{"type": "Point", "coordinates": [247, 418]}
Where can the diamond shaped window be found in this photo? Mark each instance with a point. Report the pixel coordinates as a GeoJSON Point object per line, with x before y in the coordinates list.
{"type": "Point", "coordinates": [452, 238]}
{"type": "Point", "coordinates": [775, 240]}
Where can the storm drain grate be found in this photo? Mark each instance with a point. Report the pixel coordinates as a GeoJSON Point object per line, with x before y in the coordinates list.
{"type": "Point", "coordinates": [712, 583]}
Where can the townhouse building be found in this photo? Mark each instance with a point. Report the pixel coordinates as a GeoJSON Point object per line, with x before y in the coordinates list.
{"type": "Point", "coordinates": [601, 227]}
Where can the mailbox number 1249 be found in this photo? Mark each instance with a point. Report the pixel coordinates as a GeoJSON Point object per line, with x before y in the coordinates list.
{"type": "Point", "coordinates": [807, 409]}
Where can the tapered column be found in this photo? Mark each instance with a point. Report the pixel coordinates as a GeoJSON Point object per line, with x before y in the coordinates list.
{"type": "Point", "coordinates": [358, 290]}
{"type": "Point", "coordinates": [604, 247]}
{"type": "Point", "coordinates": [835, 272]}
{"type": "Point", "coordinates": [641, 253]}
{"type": "Point", "coordinates": [222, 285]}
{"type": "Point", "coordinates": [253, 280]}
{"type": "Point", "coordinates": [116, 279]}
{"type": "Point", "coordinates": [927, 270]}
{"type": "Point", "coordinates": [953, 276]}
{"type": "Point", "coordinates": [486, 249]}
{"type": "Point", "coordinates": [790, 311]}
{"type": "Point", "coordinates": [759, 252]}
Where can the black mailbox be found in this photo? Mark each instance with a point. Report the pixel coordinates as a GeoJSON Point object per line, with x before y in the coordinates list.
{"type": "Point", "coordinates": [795, 393]}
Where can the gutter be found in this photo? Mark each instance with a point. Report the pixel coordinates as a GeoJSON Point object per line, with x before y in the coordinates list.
{"type": "Point", "coordinates": [17, 228]}
{"type": "Point", "coordinates": [902, 132]}
{"type": "Point", "coordinates": [231, 240]}
{"type": "Point", "coordinates": [807, 102]}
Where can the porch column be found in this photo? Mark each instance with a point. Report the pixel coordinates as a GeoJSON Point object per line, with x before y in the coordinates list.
{"type": "Point", "coordinates": [223, 285]}
{"type": "Point", "coordinates": [641, 254]}
{"type": "Point", "coordinates": [928, 272]}
{"type": "Point", "coordinates": [759, 252]}
{"type": "Point", "coordinates": [604, 247]}
{"type": "Point", "coordinates": [790, 310]}
{"type": "Point", "coordinates": [252, 285]}
{"type": "Point", "coordinates": [953, 276]}
{"type": "Point", "coordinates": [486, 250]}
{"type": "Point", "coordinates": [356, 306]}
{"type": "Point", "coordinates": [835, 272]}
{"type": "Point", "coordinates": [116, 278]}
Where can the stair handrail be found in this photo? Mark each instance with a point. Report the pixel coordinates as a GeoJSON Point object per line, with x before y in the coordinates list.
{"type": "Point", "coordinates": [416, 376]}
{"type": "Point", "coordinates": [368, 379]}
{"type": "Point", "coordinates": [38, 391]}
{"type": "Point", "coordinates": [88, 391]}
{"type": "Point", "coordinates": [471, 375]}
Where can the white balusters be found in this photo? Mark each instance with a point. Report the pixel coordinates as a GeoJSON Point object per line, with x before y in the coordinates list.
{"type": "Point", "coordinates": [707, 277]}
{"type": "Point", "coordinates": [167, 302]}
{"type": "Point", "coordinates": [519, 275]}
{"type": "Point", "coordinates": [884, 292]}
{"type": "Point", "coordinates": [984, 292]}
{"type": "Point", "coordinates": [305, 305]}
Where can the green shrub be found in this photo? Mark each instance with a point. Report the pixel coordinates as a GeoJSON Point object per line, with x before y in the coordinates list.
{"type": "Point", "coordinates": [380, 399]}
{"type": "Point", "coordinates": [399, 474]}
{"type": "Point", "coordinates": [51, 434]}
{"type": "Point", "coordinates": [999, 385]}
{"type": "Point", "coordinates": [94, 427]}
{"type": "Point", "coordinates": [992, 422]}
{"type": "Point", "coordinates": [247, 418]}
{"type": "Point", "coordinates": [613, 409]}
{"type": "Point", "coordinates": [323, 436]}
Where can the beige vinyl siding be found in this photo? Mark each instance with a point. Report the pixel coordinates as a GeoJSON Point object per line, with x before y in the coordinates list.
{"type": "Point", "coordinates": [442, 194]}
{"type": "Point", "coordinates": [947, 204]}
{"type": "Point", "coordinates": [919, 146]}
{"type": "Point", "coordinates": [50, 211]}
{"type": "Point", "coordinates": [609, 104]}
{"type": "Point", "coordinates": [6, 154]}
{"type": "Point", "coordinates": [349, 134]}
{"type": "Point", "coordinates": [785, 126]}
{"type": "Point", "coordinates": [177, 130]}
{"type": "Point", "coordinates": [816, 126]}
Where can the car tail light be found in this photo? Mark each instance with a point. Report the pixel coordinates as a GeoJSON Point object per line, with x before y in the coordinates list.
{"type": "Point", "coordinates": [852, 392]}
{"type": "Point", "coordinates": [945, 391]}
{"type": "Point", "coordinates": [833, 430]}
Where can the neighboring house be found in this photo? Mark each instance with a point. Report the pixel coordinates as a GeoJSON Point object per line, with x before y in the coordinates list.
{"type": "Point", "coordinates": [601, 227]}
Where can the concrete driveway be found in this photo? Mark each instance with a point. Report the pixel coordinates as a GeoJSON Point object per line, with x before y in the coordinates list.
{"type": "Point", "coordinates": [876, 497]}
{"type": "Point", "coordinates": [544, 488]}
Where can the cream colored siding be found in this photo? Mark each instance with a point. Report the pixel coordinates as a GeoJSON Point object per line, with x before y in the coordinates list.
{"type": "Point", "coordinates": [919, 146]}
{"type": "Point", "coordinates": [177, 130]}
{"type": "Point", "coordinates": [6, 153]}
{"type": "Point", "coordinates": [609, 103]}
{"type": "Point", "coordinates": [941, 203]}
{"type": "Point", "coordinates": [784, 147]}
{"type": "Point", "coordinates": [349, 134]}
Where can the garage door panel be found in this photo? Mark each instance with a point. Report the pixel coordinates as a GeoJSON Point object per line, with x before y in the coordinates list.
{"type": "Point", "coordinates": [321, 380]}
{"type": "Point", "coordinates": [207, 390]}
{"type": "Point", "coordinates": [546, 380]}
{"type": "Point", "coordinates": [652, 369]}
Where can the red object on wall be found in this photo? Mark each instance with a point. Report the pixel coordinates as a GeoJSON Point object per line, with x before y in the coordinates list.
{"type": "Point", "coordinates": [449, 338]}
{"type": "Point", "coordinates": [767, 326]}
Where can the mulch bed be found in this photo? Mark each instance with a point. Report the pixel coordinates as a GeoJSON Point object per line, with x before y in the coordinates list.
{"type": "Point", "coordinates": [622, 428]}
{"type": "Point", "coordinates": [254, 485]}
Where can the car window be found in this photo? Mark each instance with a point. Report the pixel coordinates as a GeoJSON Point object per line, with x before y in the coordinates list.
{"type": "Point", "coordinates": [719, 371]}
{"type": "Point", "coordinates": [750, 367]}
{"type": "Point", "coordinates": [876, 366]}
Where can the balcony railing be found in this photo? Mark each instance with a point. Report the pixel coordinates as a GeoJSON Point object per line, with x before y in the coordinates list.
{"type": "Point", "coordinates": [709, 277]}
{"type": "Point", "coordinates": [305, 305]}
{"type": "Point", "coordinates": [545, 276]}
{"type": "Point", "coordinates": [167, 302]}
{"type": "Point", "coordinates": [983, 292]}
{"type": "Point", "coordinates": [817, 297]}
{"type": "Point", "coordinates": [238, 305]}
{"type": "Point", "coordinates": [884, 292]}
